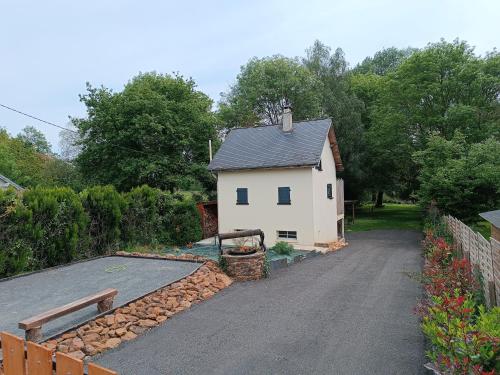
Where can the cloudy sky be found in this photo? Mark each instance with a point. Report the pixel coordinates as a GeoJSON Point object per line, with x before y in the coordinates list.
{"type": "Point", "coordinates": [50, 49]}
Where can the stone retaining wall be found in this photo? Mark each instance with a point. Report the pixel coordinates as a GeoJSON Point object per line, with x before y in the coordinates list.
{"type": "Point", "coordinates": [125, 323]}
{"type": "Point", "coordinates": [245, 267]}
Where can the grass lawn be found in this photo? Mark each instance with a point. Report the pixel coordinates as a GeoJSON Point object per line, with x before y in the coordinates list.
{"type": "Point", "coordinates": [482, 227]}
{"type": "Point", "coordinates": [391, 216]}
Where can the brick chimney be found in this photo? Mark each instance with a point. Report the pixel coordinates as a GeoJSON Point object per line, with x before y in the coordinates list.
{"type": "Point", "coordinates": [287, 118]}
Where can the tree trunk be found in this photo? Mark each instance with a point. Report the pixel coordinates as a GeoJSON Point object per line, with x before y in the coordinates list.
{"type": "Point", "coordinates": [380, 199]}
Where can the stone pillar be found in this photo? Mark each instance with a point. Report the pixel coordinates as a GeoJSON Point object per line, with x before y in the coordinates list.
{"type": "Point", "coordinates": [245, 267]}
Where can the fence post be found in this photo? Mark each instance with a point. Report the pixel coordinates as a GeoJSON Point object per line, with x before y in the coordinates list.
{"type": "Point", "coordinates": [13, 354]}
{"type": "Point", "coordinates": [39, 359]}
{"type": "Point", "coordinates": [67, 365]}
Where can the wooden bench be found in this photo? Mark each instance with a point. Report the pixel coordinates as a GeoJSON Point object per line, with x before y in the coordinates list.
{"type": "Point", "coordinates": [33, 325]}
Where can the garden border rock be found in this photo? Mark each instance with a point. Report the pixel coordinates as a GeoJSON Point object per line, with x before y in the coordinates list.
{"type": "Point", "coordinates": [126, 322]}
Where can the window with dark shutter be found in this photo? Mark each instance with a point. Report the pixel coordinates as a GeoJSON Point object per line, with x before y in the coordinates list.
{"type": "Point", "coordinates": [329, 191]}
{"type": "Point", "coordinates": [242, 196]}
{"type": "Point", "coordinates": [284, 195]}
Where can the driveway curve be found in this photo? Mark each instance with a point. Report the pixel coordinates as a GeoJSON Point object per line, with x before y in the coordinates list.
{"type": "Point", "coordinates": [349, 312]}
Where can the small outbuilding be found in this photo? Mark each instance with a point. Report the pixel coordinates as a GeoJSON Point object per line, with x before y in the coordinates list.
{"type": "Point", "coordinates": [6, 183]}
{"type": "Point", "coordinates": [493, 217]}
{"type": "Point", "coordinates": [282, 178]}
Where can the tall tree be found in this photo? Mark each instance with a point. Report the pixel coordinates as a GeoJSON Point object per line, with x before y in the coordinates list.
{"type": "Point", "coordinates": [34, 138]}
{"type": "Point", "coordinates": [341, 104]}
{"type": "Point", "coordinates": [384, 61]}
{"type": "Point", "coordinates": [153, 132]}
{"type": "Point", "coordinates": [262, 89]}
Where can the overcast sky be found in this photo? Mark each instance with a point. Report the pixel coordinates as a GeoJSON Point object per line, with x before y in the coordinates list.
{"type": "Point", "coordinates": [49, 49]}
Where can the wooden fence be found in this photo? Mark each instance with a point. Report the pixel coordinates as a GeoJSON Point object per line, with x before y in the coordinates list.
{"type": "Point", "coordinates": [34, 359]}
{"type": "Point", "coordinates": [482, 254]}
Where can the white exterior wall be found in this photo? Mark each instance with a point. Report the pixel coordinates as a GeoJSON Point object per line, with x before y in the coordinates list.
{"type": "Point", "coordinates": [325, 210]}
{"type": "Point", "coordinates": [262, 211]}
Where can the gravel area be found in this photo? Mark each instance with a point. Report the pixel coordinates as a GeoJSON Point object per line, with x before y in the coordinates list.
{"type": "Point", "coordinates": [348, 312]}
{"type": "Point", "coordinates": [26, 296]}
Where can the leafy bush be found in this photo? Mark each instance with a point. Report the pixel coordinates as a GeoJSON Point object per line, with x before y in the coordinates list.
{"type": "Point", "coordinates": [15, 250]}
{"type": "Point", "coordinates": [457, 343]}
{"type": "Point", "coordinates": [104, 206]}
{"type": "Point", "coordinates": [464, 337]}
{"type": "Point", "coordinates": [185, 223]}
{"type": "Point", "coordinates": [57, 230]}
{"type": "Point", "coordinates": [283, 248]}
{"type": "Point", "coordinates": [462, 179]}
{"type": "Point", "coordinates": [145, 215]}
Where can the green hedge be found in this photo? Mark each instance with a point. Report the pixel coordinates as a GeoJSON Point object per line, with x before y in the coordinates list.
{"type": "Point", "coordinates": [104, 207]}
{"type": "Point", "coordinates": [44, 227]}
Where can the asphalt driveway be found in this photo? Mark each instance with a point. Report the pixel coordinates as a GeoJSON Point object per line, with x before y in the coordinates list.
{"type": "Point", "coordinates": [349, 312]}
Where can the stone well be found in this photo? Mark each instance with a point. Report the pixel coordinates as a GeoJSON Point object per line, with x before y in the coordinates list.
{"type": "Point", "coordinates": [245, 267]}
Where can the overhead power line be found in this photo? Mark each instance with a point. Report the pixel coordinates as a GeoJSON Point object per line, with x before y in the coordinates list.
{"type": "Point", "coordinates": [63, 128]}
{"type": "Point", "coordinates": [36, 118]}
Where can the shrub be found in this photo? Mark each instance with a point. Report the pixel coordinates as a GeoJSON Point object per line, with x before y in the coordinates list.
{"type": "Point", "coordinates": [143, 219]}
{"type": "Point", "coordinates": [104, 206]}
{"type": "Point", "coordinates": [457, 346]}
{"type": "Point", "coordinates": [15, 250]}
{"type": "Point", "coordinates": [58, 226]}
{"type": "Point", "coordinates": [464, 337]}
{"type": "Point", "coordinates": [283, 248]}
{"type": "Point", "coordinates": [185, 222]}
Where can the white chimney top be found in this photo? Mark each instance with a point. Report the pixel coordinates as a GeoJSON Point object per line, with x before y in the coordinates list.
{"type": "Point", "coordinates": [287, 119]}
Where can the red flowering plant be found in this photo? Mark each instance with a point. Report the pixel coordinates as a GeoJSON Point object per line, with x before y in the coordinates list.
{"type": "Point", "coordinates": [464, 337]}
{"type": "Point", "coordinates": [457, 345]}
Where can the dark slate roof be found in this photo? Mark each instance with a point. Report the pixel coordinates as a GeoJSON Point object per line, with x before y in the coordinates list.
{"type": "Point", "coordinates": [492, 216]}
{"type": "Point", "coordinates": [270, 147]}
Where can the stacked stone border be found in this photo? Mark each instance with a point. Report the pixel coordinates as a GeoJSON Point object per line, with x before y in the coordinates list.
{"type": "Point", "coordinates": [126, 322]}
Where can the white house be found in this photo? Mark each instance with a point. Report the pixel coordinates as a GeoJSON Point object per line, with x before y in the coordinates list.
{"type": "Point", "coordinates": [282, 179]}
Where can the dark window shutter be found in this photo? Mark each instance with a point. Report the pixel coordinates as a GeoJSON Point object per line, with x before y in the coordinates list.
{"type": "Point", "coordinates": [329, 191]}
{"type": "Point", "coordinates": [283, 195]}
{"type": "Point", "coordinates": [242, 196]}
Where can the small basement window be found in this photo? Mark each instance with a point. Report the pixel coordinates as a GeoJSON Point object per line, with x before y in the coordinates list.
{"type": "Point", "coordinates": [287, 234]}
{"type": "Point", "coordinates": [329, 191]}
{"type": "Point", "coordinates": [284, 195]}
{"type": "Point", "coordinates": [242, 196]}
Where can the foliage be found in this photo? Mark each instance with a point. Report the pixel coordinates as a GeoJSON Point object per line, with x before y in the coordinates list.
{"type": "Point", "coordinates": [464, 337]}
{"type": "Point", "coordinates": [15, 252]}
{"type": "Point", "coordinates": [104, 207]}
{"type": "Point", "coordinates": [339, 102]}
{"type": "Point", "coordinates": [442, 88]}
{"type": "Point", "coordinates": [457, 343]}
{"type": "Point", "coordinates": [282, 248]}
{"type": "Point", "coordinates": [262, 89]}
{"type": "Point", "coordinates": [463, 180]}
{"type": "Point", "coordinates": [151, 133]}
{"type": "Point", "coordinates": [34, 138]}
{"type": "Point", "coordinates": [144, 217]}
{"type": "Point", "coordinates": [25, 165]}
{"type": "Point", "coordinates": [44, 227]}
{"type": "Point", "coordinates": [185, 224]}
{"type": "Point", "coordinates": [57, 231]}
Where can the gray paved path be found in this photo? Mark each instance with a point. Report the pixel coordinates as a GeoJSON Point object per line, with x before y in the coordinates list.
{"type": "Point", "coordinates": [26, 296]}
{"type": "Point", "coordinates": [349, 312]}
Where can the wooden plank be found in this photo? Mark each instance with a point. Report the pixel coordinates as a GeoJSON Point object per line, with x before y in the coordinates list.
{"type": "Point", "coordinates": [40, 319]}
{"type": "Point", "coordinates": [98, 370]}
{"type": "Point", "coordinates": [39, 359]}
{"type": "Point", "coordinates": [67, 365]}
{"type": "Point", "coordinates": [13, 354]}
